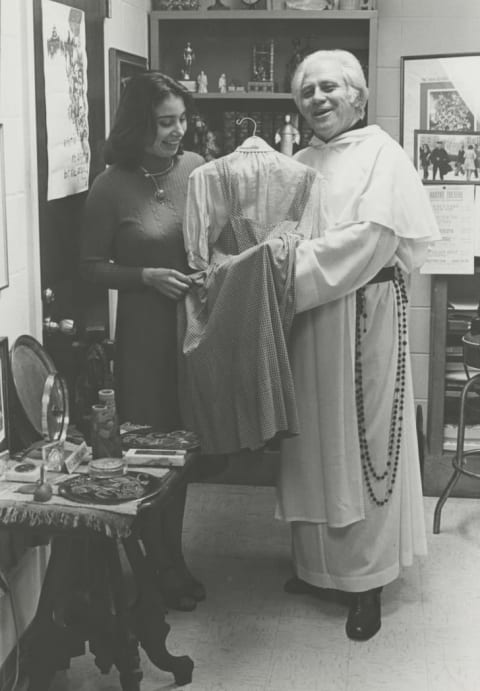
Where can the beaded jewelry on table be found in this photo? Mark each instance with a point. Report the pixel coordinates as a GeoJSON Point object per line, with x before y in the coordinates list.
{"type": "Point", "coordinates": [371, 474]}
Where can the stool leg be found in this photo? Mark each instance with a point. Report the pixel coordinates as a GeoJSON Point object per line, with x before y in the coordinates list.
{"type": "Point", "coordinates": [442, 499]}
{"type": "Point", "coordinates": [458, 458]}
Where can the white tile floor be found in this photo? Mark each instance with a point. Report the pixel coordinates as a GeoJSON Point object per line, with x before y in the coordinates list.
{"type": "Point", "coordinates": [251, 636]}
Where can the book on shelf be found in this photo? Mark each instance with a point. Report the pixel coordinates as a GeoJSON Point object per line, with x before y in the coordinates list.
{"type": "Point", "coordinates": [468, 307]}
{"type": "Point", "coordinates": [459, 324]}
{"type": "Point", "coordinates": [471, 432]}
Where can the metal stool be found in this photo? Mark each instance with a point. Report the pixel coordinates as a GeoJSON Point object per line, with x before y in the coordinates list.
{"type": "Point", "coordinates": [471, 358]}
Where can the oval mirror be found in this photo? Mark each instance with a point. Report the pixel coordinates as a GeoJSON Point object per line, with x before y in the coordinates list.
{"type": "Point", "coordinates": [41, 392]}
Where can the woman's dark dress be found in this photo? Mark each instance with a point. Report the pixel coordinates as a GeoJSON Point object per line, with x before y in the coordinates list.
{"type": "Point", "coordinates": [125, 230]}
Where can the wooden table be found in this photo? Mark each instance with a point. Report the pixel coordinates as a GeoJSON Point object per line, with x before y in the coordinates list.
{"type": "Point", "coordinates": [84, 597]}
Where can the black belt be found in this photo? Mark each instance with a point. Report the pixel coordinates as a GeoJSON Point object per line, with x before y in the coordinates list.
{"type": "Point", "coordinates": [385, 274]}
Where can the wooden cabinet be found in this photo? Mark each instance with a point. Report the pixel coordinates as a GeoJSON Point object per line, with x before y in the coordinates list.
{"type": "Point", "coordinates": [455, 301]}
{"type": "Point", "coordinates": [224, 42]}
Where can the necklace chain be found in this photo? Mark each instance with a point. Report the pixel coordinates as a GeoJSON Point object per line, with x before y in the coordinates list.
{"type": "Point", "coordinates": [159, 192]}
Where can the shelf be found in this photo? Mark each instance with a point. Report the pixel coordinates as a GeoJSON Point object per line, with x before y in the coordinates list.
{"type": "Point", "coordinates": [244, 95]}
{"type": "Point", "coordinates": [263, 15]}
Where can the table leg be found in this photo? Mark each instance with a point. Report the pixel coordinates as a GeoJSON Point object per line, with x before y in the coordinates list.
{"type": "Point", "coordinates": [148, 618]}
{"type": "Point", "coordinates": [51, 644]}
{"type": "Point", "coordinates": [125, 643]}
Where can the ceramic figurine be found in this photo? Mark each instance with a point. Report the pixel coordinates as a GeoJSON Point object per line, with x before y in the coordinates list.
{"type": "Point", "coordinates": [202, 82]}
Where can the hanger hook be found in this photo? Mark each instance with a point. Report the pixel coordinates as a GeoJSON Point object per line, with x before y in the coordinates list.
{"type": "Point", "coordinates": [246, 117]}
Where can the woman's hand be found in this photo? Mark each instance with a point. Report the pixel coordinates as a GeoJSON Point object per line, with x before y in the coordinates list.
{"type": "Point", "coordinates": [171, 283]}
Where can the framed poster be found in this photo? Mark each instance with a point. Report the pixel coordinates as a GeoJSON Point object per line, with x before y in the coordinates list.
{"type": "Point", "coordinates": [439, 93]}
{"type": "Point", "coordinates": [122, 66]}
{"type": "Point", "coordinates": [4, 409]}
{"type": "Point", "coordinates": [442, 156]}
{"type": "Point", "coordinates": [3, 219]}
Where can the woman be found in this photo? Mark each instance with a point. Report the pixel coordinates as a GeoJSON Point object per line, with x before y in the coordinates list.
{"type": "Point", "coordinates": [425, 159]}
{"type": "Point", "coordinates": [469, 162]}
{"type": "Point", "coordinates": [349, 484]}
{"type": "Point", "coordinates": [132, 242]}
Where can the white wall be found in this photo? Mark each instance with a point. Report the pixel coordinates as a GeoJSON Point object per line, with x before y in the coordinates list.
{"type": "Point", "coordinates": [20, 310]}
{"type": "Point", "coordinates": [419, 27]}
{"type": "Point", "coordinates": [20, 303]}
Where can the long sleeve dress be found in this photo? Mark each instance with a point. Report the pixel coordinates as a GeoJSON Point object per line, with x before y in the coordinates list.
{"type": "Point", "coordinates": [351, 365]}
{"type": "Point", "coordinates": [126, 229]}
{"type": "Point", "coordinates": [245, 214]}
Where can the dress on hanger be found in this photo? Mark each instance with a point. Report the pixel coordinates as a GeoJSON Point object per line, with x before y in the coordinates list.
{"type": "Point", "coordinates": [244, 216]}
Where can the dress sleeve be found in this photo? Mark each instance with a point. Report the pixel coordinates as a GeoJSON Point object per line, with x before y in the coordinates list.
{"type": "Point", "coordinates": [97, 243]}
{"type": "Point", "coordinates": [205, 215]}
{"type": "Point", "coordinates": [345, 258]}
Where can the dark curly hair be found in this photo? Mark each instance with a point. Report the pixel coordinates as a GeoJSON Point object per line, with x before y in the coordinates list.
{"type": "Point", "coordinates": [135, 120]}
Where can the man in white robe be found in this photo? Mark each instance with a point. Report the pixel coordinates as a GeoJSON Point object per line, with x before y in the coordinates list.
{"type": "Point", "coordinates": [350, 483]}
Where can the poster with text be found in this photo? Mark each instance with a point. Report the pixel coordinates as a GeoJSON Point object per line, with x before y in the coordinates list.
{"type": "Point", "coordinates": [453, 206]}
{"type": "Point", "coordinates": [65, 68]}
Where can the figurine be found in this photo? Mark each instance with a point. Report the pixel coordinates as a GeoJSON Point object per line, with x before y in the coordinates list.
{"type": "Point", "coordinates": [202, 82]}
{"type": "Point", "coordinates": [188, 58]}
{"type": "Point", "coordinates": [222, 83]}
{"type": "Point", "coordinates": [297, 57]}
{"type": "Point", "coordinates": [213, 147]}
{"type": "Point", "coordinates": [199, 131]}
{"type": "Point", "coordinates": [218, 5]}
{"type": "Point", "coordinates": [287, 136]}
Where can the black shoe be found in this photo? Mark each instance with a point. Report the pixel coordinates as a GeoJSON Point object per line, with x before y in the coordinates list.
{"type": "Point", "coordinates": [364, 615]}
{"type": "Point", "coordinates": [295, 586]}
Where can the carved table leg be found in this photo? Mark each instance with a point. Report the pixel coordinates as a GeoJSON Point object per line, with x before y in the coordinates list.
{"type": "Point", "coordinates": [148, 618]}
{"type": "Point", "coordinates": [112, 640]}
{"type": "Point", "coordinates": [50, 643]}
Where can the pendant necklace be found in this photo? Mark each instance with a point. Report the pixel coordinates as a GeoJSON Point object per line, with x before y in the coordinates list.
{"type": "Point", "coordinates": [159, 191]}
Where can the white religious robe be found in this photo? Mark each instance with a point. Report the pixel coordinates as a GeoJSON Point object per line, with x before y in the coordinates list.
{"type": "Point", "coordinates": [379, 215]}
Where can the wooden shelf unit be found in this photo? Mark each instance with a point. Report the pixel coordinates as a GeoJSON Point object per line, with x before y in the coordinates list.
{"type": "Point", "coordinates": [445, 338]}
{"type": "Point", "coordinates": [223, 42]}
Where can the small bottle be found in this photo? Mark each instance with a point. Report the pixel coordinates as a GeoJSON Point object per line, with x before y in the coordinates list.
{"type": "Point", "coordinates": [100, 431]}
{"type": "Point", "coordinates": [106, 397]}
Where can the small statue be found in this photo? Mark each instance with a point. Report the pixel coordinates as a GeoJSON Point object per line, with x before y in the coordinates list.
{"type": "Point", "coordinates": [199, 131]}
{"type": "Point", "coordinates": [296, 58]}
{"type": "Point", "coordinates": [202, 82]}
{"type": "Point", "coordinates": [218, 5]}
{"type": "Point", "coordinates": [222, 83]}
{"type": "Point", "coordinates": [287, 136]}
{"type": "Point", "coordinates": [188, 58]}
{"type": "Point", "coordinates": [213, 147]}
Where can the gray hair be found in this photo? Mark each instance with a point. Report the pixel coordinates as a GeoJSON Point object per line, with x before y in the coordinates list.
{"type": "Point", "coordinates": [352, 72]}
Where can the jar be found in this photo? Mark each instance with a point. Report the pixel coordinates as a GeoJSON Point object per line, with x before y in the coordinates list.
{"type": "Point", "coordinates": [350, 4]}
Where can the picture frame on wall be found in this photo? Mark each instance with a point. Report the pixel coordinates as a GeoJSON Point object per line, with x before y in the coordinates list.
{"type": "Point", "coordinates": [3, 217]}
{"type": "Point", "coordinates": [439, 93]}
{"type": "Point", "coordinates": [440, 156]}
{"type": "Point", "coordinates": [4, 402]}
{"type": "Point", "coordinates": [122, 66]}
